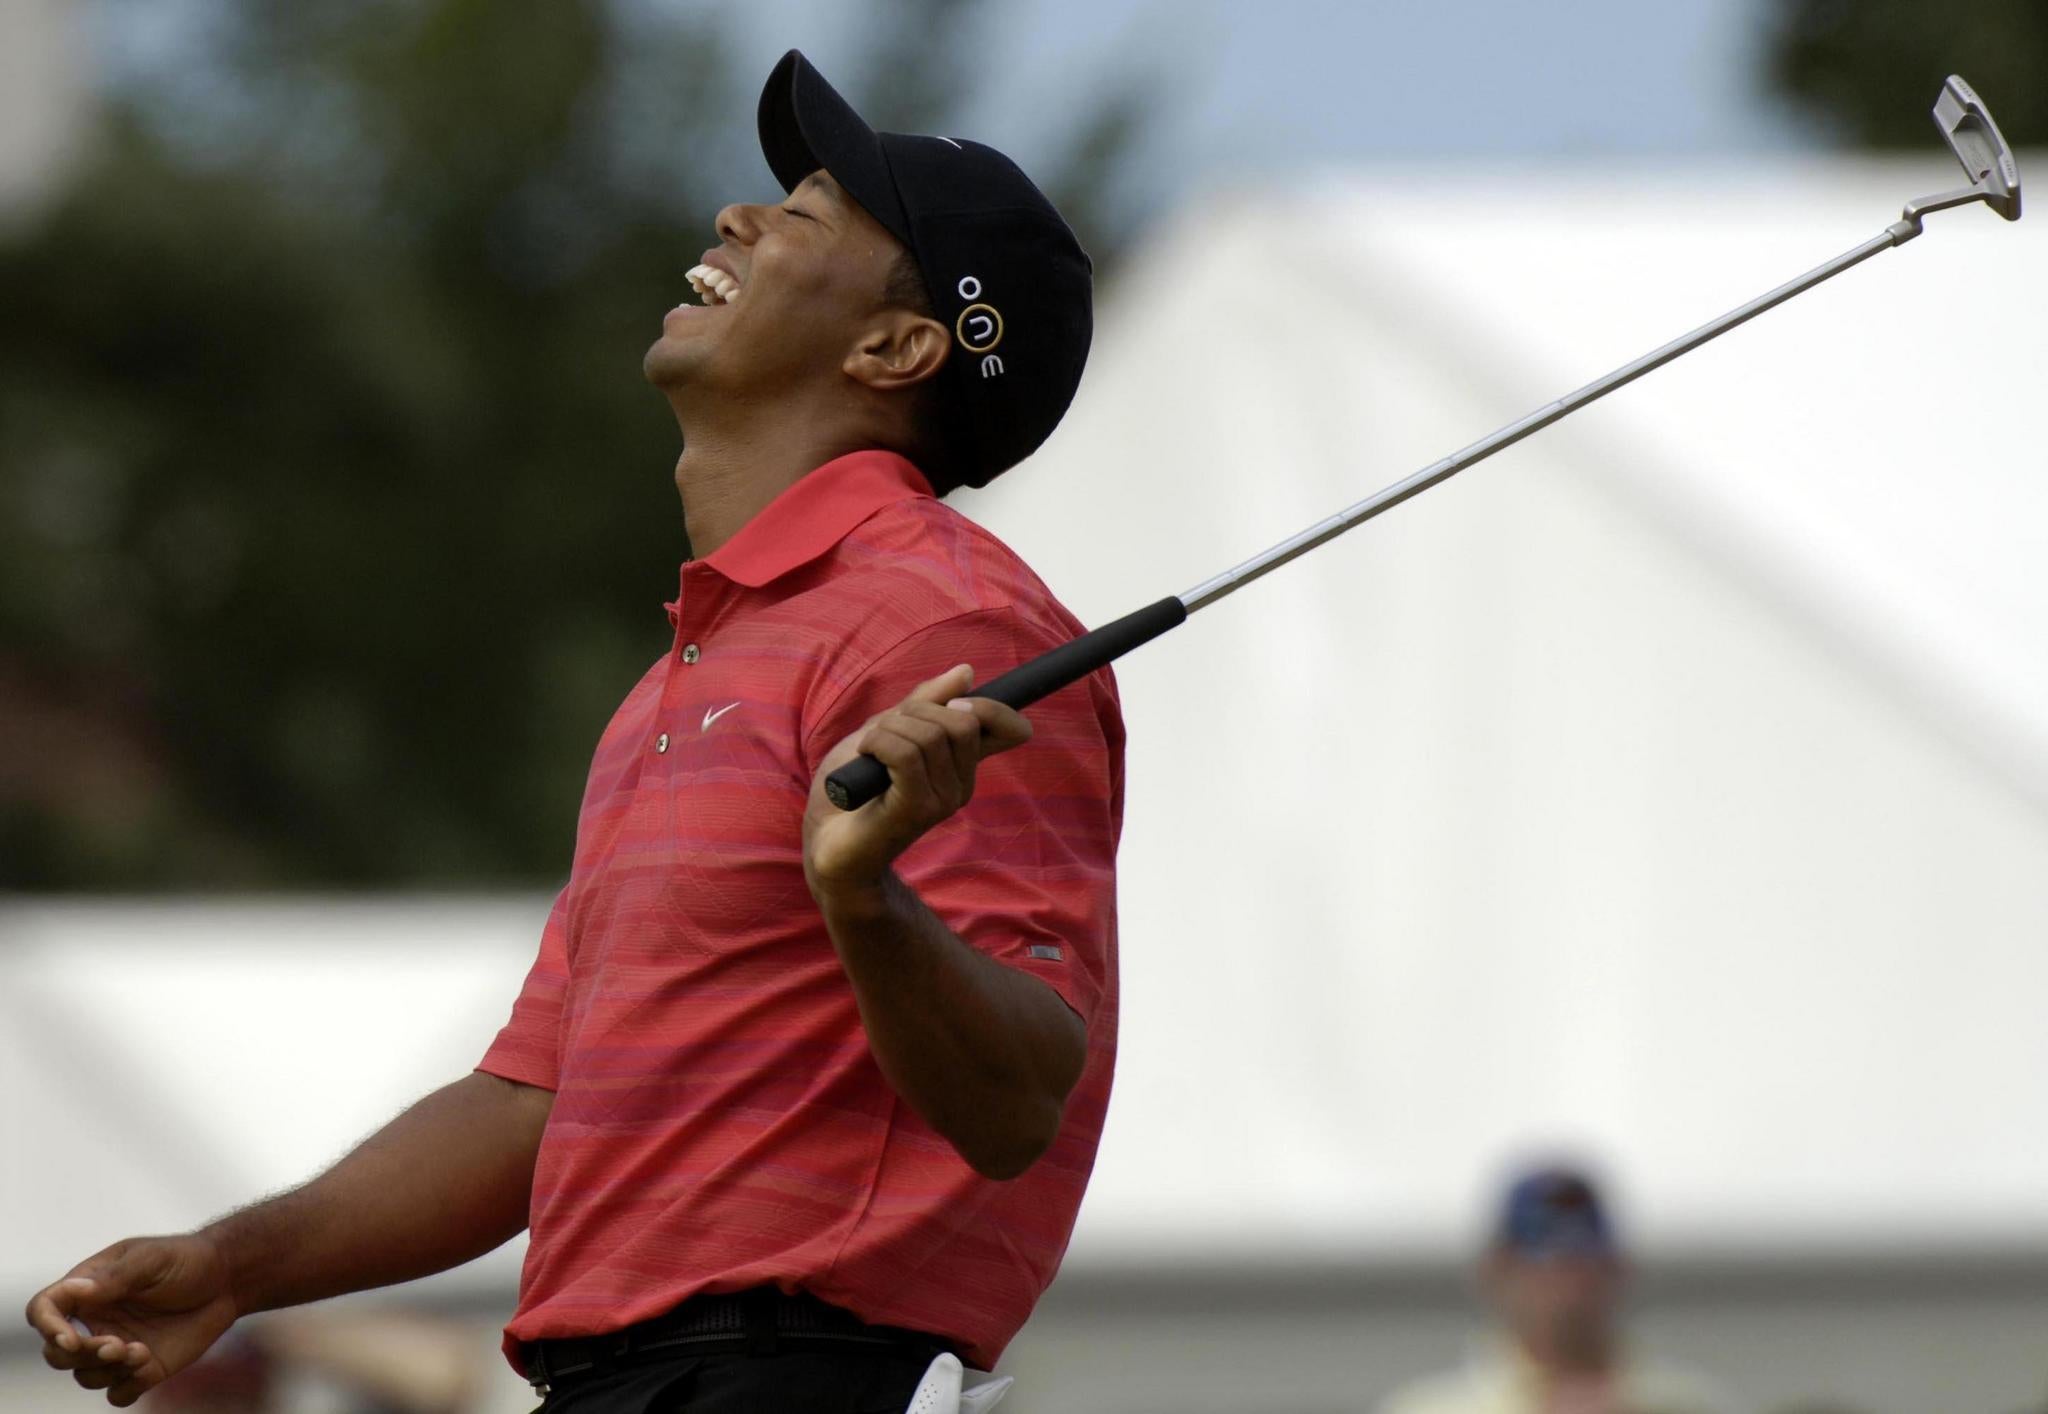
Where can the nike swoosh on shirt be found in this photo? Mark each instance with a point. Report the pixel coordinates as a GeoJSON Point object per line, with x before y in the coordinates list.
{"type": "Point", "coordinates": [711, 716]}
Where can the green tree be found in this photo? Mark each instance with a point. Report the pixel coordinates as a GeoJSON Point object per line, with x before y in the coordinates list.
{"type": "Point", "coordinates": [334, 515]}
{"type": "Point", "coordinates": [1871, 68]}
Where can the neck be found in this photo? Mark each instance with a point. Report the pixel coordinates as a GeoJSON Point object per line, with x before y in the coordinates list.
{"type": "Point", "coordinates": [735, 463]}
{"type": "Point", "coordinates": [1581, 1358]}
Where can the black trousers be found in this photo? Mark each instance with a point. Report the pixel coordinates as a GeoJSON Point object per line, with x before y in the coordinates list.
{"type": "Point", "coordinates": [860, 1381]}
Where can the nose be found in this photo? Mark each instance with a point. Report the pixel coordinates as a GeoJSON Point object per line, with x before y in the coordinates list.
{"type": "Point", "coordinates": [738, 224]}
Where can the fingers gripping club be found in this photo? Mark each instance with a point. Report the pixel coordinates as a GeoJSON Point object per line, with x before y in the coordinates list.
{"type": "Point", "coordinates": [863, 778]}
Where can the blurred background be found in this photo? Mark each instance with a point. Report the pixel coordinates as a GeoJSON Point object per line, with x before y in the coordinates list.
{"type": "Point", "coordinates": [1670, 793]}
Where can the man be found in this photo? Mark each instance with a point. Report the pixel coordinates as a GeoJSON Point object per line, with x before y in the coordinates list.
{"type": "Point", "coordinates": [797, 1102]}
{"type": "Point", "coordinates": [1555, 1276]}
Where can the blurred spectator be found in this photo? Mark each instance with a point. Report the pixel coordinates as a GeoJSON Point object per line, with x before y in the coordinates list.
{"type": "Point", "coordinates": [1554, 1276]}
{"type": "Point", "coordinates": [366, 1362]}
{"type": "Point", "coordinates": [238, 1376]}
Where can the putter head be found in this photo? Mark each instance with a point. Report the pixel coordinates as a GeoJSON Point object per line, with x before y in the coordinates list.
{"type": "Point", "coordinates": [1980, 147]}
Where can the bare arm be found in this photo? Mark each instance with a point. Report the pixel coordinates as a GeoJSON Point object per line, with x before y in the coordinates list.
{"type": "Point", "coordinates": [446, 1181]}
{"type": "Point", "coordinates": [986, 1054]}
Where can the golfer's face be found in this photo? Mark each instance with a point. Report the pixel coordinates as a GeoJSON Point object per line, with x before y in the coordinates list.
{"type": "Point", "coordinates": [1569, 1298]}
{"type": "Point", "coordinates": [794, 286]}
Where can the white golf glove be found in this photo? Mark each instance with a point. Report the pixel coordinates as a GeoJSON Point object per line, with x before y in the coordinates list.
{"type": "Point", "coordinates": [949, 1388]}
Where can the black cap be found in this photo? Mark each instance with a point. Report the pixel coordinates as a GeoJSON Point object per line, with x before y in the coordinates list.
{"type": "Point", "coordinates": [1003, 270]}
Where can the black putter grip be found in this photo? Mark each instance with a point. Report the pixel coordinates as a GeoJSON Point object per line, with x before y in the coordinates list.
{"type": "Point", "coordinates": [863, 778]}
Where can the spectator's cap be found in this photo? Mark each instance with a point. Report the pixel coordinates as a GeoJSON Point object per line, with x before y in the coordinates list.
{"type": "Point", "coordinates": [1003, 271]}
{"type": "Point", "coordinates": [1554, 1212]}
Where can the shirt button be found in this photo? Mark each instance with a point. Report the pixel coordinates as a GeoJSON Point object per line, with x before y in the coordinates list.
{"type": "Point", "coordinates": [661, 743]}
{"type": "Point", "coordinates": [690, 654]}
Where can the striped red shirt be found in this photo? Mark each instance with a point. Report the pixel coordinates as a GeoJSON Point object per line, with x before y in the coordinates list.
{"type": "Point", "coordinates": [719, 1122]}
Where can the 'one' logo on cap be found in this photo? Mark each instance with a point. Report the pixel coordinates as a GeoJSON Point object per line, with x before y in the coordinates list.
{"type": "Point", "coordinates": [980, 326]}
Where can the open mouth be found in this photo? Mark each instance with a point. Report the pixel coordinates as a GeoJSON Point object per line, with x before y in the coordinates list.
{"type": "Point", "coordinates": [713, 286]}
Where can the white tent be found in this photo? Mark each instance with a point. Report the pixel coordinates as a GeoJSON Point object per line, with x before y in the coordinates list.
{"type": "Point", "coordinates": [1674, 785]}
{"type": "Point", "coordinates": [166, 1061]}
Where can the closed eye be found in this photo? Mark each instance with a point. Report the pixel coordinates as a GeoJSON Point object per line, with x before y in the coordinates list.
{"type": "Point", "coordinates": [795, 211]}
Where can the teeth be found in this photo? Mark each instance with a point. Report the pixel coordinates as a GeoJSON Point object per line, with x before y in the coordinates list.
{"type": "Point", "coordinates": [713, 285]}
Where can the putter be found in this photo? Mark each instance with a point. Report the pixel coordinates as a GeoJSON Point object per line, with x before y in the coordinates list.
{"type": "Point", "coordinates": [1994, 180]}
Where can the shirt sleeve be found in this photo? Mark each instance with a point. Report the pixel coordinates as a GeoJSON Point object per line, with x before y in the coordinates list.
{"type": "Point", "coordinates": [528, 1049]}
{"type": "Point", "coordinates": [1026, 872]}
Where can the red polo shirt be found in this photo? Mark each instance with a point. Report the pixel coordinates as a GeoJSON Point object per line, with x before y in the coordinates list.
{"type": "Point", "coordinates": [719, 1122]}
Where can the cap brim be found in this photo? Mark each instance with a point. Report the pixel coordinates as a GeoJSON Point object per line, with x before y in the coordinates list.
{"type": "Point", "coordinates": [806, 125]}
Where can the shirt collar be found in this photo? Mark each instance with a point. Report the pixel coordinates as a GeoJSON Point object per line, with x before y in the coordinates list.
{"type": "Point", "coordinates": [815, 514]}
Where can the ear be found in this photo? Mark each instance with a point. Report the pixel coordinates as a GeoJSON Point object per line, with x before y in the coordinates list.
{"type": "Point", "coordinates": [897, 350]}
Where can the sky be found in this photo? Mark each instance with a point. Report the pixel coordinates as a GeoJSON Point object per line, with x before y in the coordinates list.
{"type": "Point", "coordinates": [1248, 91]}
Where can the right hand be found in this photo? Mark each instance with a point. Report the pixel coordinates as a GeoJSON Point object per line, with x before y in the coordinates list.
{"type": "Point", "coordinates": [153, 1305]}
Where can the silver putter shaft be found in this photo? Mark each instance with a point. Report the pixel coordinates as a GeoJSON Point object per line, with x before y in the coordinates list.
{"type": "Point", "coordinates": [1965, 124]}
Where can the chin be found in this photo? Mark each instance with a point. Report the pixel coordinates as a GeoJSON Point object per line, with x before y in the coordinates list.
{"type": "Point", "coordinates": [664, 364]}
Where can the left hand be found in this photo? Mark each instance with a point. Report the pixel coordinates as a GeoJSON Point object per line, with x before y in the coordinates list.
{"type": "Point", "coordinates": [932, 742]}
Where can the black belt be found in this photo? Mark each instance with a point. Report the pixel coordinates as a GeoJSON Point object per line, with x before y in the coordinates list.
{"type": "Point", "coordinates": [757, 1322]}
